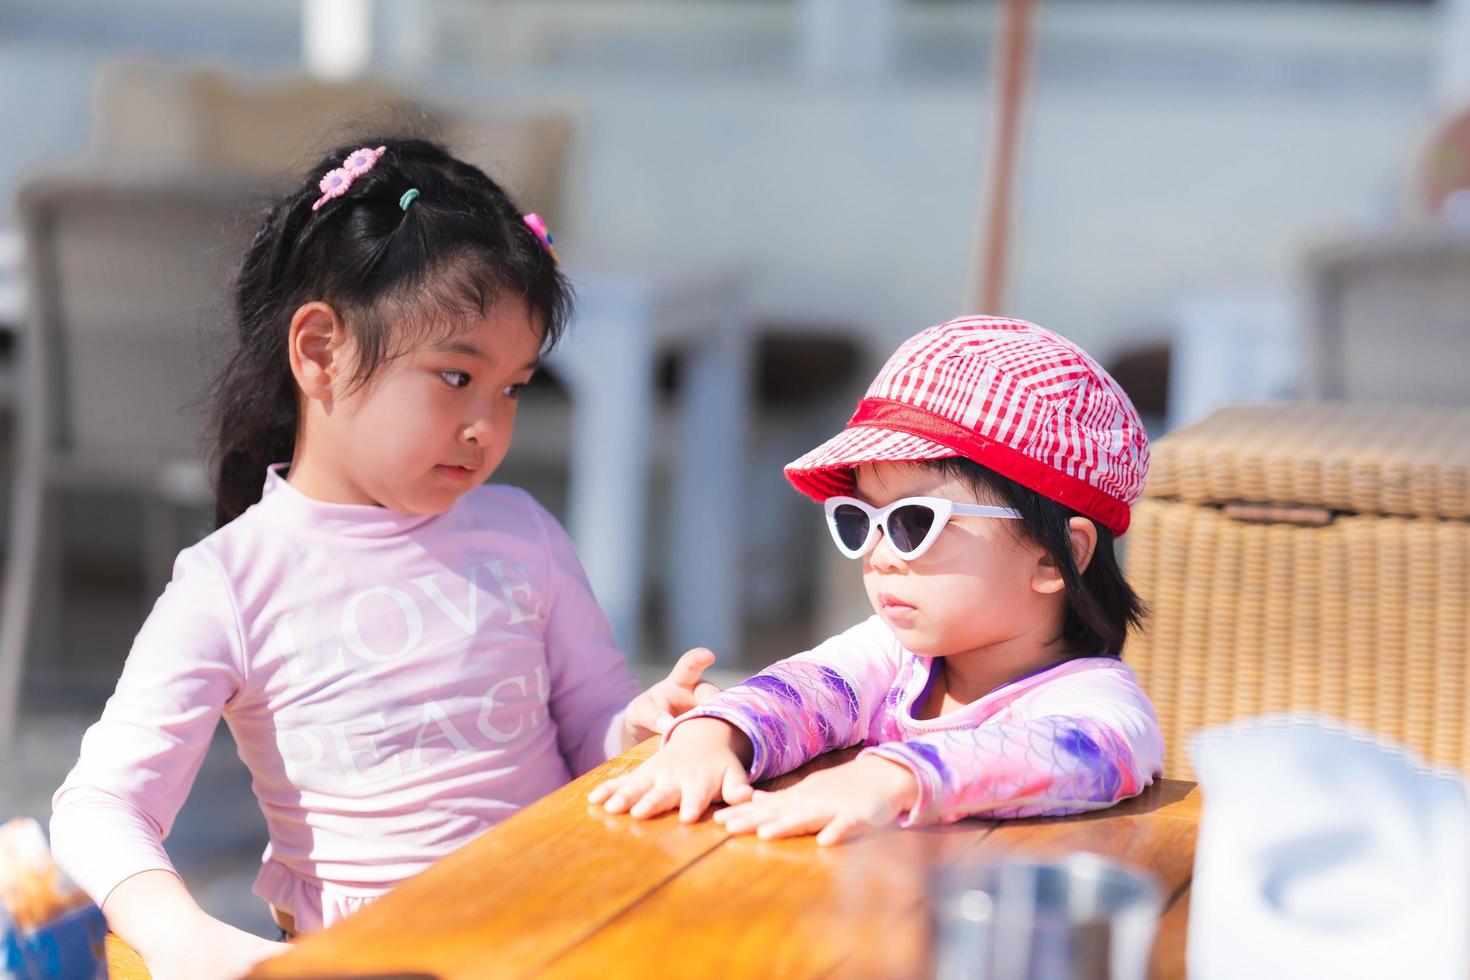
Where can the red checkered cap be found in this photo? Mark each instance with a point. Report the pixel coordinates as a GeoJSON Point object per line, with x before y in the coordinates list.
{"type": "Point", "coordinates": [1007, 394]}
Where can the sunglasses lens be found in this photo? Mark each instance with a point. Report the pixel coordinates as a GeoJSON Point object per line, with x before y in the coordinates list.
{"type": "Point", "coordinates": [851, 525]}
{"type": "Point", "coordinates": [909, 525]}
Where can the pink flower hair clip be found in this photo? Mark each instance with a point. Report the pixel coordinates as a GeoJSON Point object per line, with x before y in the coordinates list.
{"type": "Point", "coordinates": [538, 228]}
{"type": "Point", "coordinates": [337, 181]}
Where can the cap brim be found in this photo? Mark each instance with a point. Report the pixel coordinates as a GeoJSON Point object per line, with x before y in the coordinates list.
{"type": "Point", "coordinates": [827, 470]}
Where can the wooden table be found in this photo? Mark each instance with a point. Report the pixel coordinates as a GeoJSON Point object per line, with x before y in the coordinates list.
{"type": "Point", "coordinates": [565, 890]}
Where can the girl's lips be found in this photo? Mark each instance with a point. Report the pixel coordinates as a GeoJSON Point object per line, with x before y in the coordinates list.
{"type": "Point", "coordinates": [455, 472]}
{"type": "Point", "coordinates": [895, 613]}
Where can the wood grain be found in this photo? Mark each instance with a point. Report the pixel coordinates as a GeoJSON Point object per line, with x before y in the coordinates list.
{"type": "Point", "coordinates": [784, 908]}
{"type": "Point", "coordinates": [123, 962]}
{"type": "Point", "coordinates": [513, 899]}
{"type": "Point", "coordinates": [564, 889]}
{"type": "Point", "coordinates": [791, 908]}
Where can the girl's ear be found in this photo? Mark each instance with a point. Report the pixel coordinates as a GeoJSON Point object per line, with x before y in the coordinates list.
{"type": "Point", "coordinates": [1084, 541]}
{"type": "Point", "coordinates": [317, 346]}
{"type": "Point", "coordinates": [1048, 576]}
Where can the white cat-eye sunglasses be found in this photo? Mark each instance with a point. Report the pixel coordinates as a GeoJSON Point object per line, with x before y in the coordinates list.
{"type": "Point", "coordinates": [910, 524]}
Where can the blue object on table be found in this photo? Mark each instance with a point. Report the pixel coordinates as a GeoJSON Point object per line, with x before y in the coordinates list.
{"type": "Point", "coordinates": [70, 947]}
{"type": "Point", "coordinates": [48, 927]}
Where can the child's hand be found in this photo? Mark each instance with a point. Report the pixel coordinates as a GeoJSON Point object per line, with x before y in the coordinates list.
{"type": "Point", "coordinates": [652, 712]}
{"type": "Point", "coordinates": [836, 804]}
{"type": "Point", "coordinates": [702, 760]}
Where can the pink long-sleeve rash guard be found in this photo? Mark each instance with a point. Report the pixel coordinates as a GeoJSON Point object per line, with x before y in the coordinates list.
{"type": "Point", "coordinates": [396, 684]}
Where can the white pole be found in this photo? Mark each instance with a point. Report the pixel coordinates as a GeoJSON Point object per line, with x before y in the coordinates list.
{"type": "Point", "coordinates": [336, 37]}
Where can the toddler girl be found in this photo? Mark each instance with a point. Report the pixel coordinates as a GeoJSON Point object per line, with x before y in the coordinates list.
{"type": "Point", "coordinates": [404, 656]}
{"type": "Point", "coordinates": [981, 482]}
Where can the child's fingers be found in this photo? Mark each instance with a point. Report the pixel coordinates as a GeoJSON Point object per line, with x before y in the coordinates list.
{"type": "Point", "coordinates": [627, 789]}
{"type": "Point", "coordinates": [602, 791]}
{"type": "Point", "coordinates": [747, 817]}
{"type": "Point", "coordinates": [704, 691]}
{"type": "Point", "coordinates": [696, 795]}
{"type": "Point", "coordinates": [605, 790]}
{"type": "Point", "coordinates": [758, 807]}
{"type": "Point", "coordinates": [840, 829]}
{"type": "Point", "coordinates": [730, 812]}
{"type": "Point", "coordinates": [690, 666]}
{"type": "Point", "coordinates": [738, 820]}
{"type": "Point", "coordinates": [735, 788]}
{"type": "Point", "coordinates": [651, 705]}
{"type": "Point", "coordinates": [660, 797]}
{"type": "Point", "coordinates": [792, 823]}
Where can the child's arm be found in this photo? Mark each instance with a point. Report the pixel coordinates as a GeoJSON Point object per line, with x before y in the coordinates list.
{"type": "Point", "coordinates": [1042, 767]}
{"type": "Point", "coordinates": [1085, 742]}
{"type": "Point", "coordinates": [139, 760]}
{"type": "Point", "coordinates": [787, 714]}
{"type": "Point", "coordinates": [814, 702]}
{"type": "Point", "coordinates": [154, 914]}
{"type": "Point", "coordinates": [1081, 742]}
{"type": "Point", "coordinates": [591, 683]}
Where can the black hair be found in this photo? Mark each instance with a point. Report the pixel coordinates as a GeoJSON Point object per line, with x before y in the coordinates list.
{"type": "Point", "coordinates": [398, 276]}
{"type": "Point", "coordinates": [1101, 605]}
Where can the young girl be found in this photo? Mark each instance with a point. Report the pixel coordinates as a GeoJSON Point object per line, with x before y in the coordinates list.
{"type": "Point", "coordinates": [404, 656]}
{"type": "Point", "coordinates": [981, 481]}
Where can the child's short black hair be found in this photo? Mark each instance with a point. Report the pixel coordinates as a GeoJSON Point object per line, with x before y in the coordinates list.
{"type": "Point", "coordinates": [1101, 605]}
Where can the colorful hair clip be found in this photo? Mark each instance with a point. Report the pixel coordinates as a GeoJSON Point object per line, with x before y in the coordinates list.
{"type": "Point", "coordinates": [538, 228]}
{"type": "Point", "coordinates": [337, 181]}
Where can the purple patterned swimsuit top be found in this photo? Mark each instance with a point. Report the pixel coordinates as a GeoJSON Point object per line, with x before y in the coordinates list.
{"type": "Point", "coordinates": [1078, 736]}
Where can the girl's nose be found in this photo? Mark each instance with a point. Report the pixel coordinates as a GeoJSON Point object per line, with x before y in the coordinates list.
{"type": "Point", "coordinates": [883, 558]}
{"type": "Point", "coordinates": [475, 433]}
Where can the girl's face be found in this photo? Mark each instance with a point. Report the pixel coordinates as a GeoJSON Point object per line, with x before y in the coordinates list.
{"type": "Point", "coordinates": [434, 423]}
{"type": "Point", "coordinates": [981, 584]}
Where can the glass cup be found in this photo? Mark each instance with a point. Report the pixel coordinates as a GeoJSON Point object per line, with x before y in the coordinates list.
{"type": "Point", "coordinates": [1079, 917]}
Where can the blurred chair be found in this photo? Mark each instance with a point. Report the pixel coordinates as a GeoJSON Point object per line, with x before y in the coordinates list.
{"type": "Point", "coordinates": [272, 128]}
{"type": "Point", "coordinates": [147, 113]}
{"type": "Point", "coordinates": [1390, 318]}
{"type": "Point", "coordinates": [128, 309]}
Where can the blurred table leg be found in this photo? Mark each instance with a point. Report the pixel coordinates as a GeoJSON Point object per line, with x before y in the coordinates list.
{"type": "Point", "coordinates": [705, 563]}
{"type": "Point", "coordinates": [608, 360]}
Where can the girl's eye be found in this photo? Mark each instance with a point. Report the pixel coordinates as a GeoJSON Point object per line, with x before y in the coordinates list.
{"type": "Point", "coordinates": [514, 391]}
{"type": "Point", "coordinates": [455, 379]}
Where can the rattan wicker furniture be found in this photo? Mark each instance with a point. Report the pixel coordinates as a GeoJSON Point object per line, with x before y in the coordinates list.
{"type": "Point", "coordinates": [1310, 557]}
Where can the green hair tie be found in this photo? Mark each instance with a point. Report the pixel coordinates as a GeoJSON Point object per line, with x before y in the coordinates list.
{"type": "Point", "coordinates": [407, 198]}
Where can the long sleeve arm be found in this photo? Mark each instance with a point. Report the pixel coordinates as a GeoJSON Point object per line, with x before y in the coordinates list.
{"type": "Point", "coordinates": [1085, 743]}
{"type": "Point", "coordinates": [812, 703]}
{"type": "Point", "coordinates": [137, 762]}
{"type": "Point", "coordinates": [591, 683]}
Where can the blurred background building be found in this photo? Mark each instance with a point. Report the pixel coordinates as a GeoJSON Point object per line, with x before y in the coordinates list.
{"type": "Point", "coordinates": [784, 188]}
